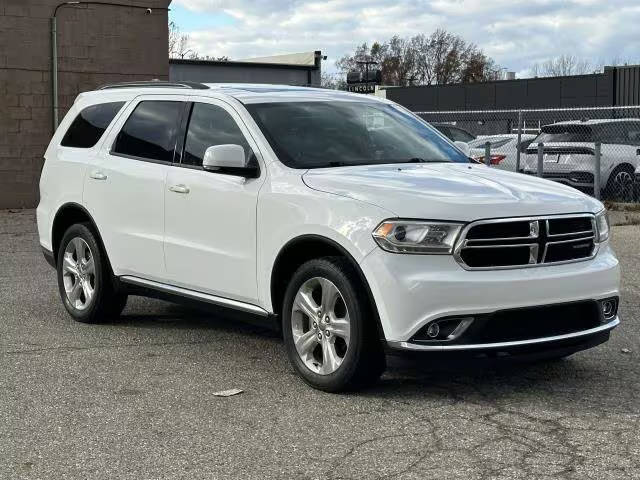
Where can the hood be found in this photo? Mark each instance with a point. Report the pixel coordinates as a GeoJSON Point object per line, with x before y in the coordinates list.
{"type": "Point", "coordinates": [448, 191]}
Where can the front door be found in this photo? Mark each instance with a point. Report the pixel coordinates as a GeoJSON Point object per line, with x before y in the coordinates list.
{"type": "Point", "coordinates": [210, 218]}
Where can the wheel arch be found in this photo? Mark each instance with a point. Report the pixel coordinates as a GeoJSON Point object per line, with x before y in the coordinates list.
{"type": "Point", "coordinates": [69, 214]}
{"type": "Point", "coordinates": [302, 249]}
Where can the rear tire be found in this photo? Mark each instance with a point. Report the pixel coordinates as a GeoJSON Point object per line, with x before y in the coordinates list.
{"type": "Point", "coordinates": [85, 280]}
{"type": "Point", "coordinates": [329, 328]}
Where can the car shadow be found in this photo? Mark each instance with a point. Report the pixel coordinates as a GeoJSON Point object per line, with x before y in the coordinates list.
{"type": "Point", "coordinates": [183, 317]}
{"type": "Point", "coordinates": [424, 375]}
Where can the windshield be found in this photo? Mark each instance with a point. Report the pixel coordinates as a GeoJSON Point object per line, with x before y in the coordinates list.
{"type": "Point", "coordinates": [344, 133]}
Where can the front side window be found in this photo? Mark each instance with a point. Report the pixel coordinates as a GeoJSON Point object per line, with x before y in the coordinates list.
{"type": "Point", "coordinates": [320, 134]}
{"type": "Point", "coordinates": [210, 125]}
{"type": "Point", "coordinates": [150, 131]}
{"type": "Point", "coordinates": [87, 128]}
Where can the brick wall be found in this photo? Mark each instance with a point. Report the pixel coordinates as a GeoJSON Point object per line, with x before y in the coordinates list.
{"type": "Point", "coordinates": [97, 44]}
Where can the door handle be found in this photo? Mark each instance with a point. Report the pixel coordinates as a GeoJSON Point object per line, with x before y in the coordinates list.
{"type": "Point", "coordinates": [97, 175]}
{"type": "Point", "coordinates": [179, 188]}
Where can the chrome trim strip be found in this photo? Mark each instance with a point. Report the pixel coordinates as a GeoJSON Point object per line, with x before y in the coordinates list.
{"type": "Point", "coordinates": [585, 232]}
{"type": "Point", "coordinates": [195, 295]}
{"type": "Point", "coordinates": [479, 346]}
{"type": "Point", "coordinates": [577, 239]}
{"type": "Point", "coordinates": [501, 246]}
{"type": "Point", "coordinates": [461, 328]}
{"type": "Point", "coordinates": [462, 240]}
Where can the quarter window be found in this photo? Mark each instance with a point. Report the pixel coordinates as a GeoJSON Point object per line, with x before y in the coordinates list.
{"type": "Point", "coordinates": [150, 131]}
{"type": "Point", "coordinates": [210, 125]}
{"type": "Point", "coordinates": [87, 128]}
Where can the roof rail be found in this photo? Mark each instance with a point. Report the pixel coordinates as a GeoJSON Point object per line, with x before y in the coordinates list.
{"type": "Point", "coordinates": [155, 84]}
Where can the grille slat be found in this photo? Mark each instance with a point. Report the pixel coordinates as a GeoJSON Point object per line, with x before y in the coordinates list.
{"type": "Point", "coordinates": [515, 243]}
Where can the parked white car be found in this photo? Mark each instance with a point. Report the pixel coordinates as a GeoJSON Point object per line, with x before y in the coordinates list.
{"type": "Point", "coordinates": [569, 155]}
{"type": "Point", "coordinates": [504, 149]}
{"type": "Point", "coordinates": [344, 219]}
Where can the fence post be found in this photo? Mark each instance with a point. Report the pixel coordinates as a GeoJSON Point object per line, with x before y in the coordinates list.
{"type": "Point", "coordinates": [596, 170]}
{"type": "Point", "coordinates": [540, 159]}
{"type": "Point", "coordinates": [487, 154]}
{"type": "Point", "coordinates": [519, 140]}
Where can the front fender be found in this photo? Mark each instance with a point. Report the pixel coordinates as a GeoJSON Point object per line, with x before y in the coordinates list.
{"type": "Point", "coordinates": [288, 209]}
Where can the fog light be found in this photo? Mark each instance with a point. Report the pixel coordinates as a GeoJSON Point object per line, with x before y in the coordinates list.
{"type": "Point", "coordinates": [446, 329]}
{"type": "Point", "coordinates": [608, 309]}
{"type": "Point", "coordinates": [433, 330]}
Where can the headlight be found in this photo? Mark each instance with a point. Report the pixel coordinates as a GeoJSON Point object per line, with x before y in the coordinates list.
{"type": "Point", "coordinates": [602, 223]}
{"type": "Point", "coordinates": [410, 236]}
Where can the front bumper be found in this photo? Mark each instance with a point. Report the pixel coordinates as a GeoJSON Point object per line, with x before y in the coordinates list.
{"type": "Point", "coordinates": [513, 345]}
{"type": "Point", "coordinates": [411, 291]}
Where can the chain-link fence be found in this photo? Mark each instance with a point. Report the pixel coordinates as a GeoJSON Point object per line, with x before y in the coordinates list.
{"type": "Point", "coordinates": [596, 150]}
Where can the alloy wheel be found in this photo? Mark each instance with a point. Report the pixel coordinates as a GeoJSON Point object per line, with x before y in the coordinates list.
{"type": "Point", "coordinates": [79, 274]}
{"type": "Point", "coordinates": [623, 184]}
{"type": "Point", "coordinates": [320, 325]}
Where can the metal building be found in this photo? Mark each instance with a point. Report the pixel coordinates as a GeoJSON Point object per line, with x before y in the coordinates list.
{"type": "Point", "coordinates": [616, 86]}
{"type": "Point", "coordinates": [293, 69]}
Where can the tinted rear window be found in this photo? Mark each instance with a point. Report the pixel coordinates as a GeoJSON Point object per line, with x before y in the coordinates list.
{"type": "Point", "coordinates": [565, 133]}
{"type": "Point", "coordinates": [459, 135]}
{"type": "Point", "coordinates": [90, 124]}
{"type": "Point", "coordinates": [150, 131]}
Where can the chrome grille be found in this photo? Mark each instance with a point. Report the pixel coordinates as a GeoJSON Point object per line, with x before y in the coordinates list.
{"type": "Point", "coordinates": [527, 242]}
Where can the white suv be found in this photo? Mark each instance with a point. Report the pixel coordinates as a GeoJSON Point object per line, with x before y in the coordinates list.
{"type": "Point", "coordinates": [569, 155]}
{"type": "Point", "coordinates": [346, 220]}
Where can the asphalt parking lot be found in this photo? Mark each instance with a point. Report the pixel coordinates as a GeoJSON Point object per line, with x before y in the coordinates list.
{"type": "Point", "coordinates": [133, 399]}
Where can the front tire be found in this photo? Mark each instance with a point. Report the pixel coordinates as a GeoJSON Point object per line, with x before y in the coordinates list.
{"type": "Point", "coordinates": [85, 280]}
{"type": "Point", "coordinates": [329, 329]}
{"type": "Point", "coordinates": [621, 184]}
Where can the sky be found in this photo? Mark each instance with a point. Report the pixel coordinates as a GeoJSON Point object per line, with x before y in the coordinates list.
{"type": "Point", "coordinates": [515, 33]}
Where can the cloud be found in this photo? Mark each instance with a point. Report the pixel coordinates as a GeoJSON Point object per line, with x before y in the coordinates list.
{"type": "Point", "coordinates": [516, 33]}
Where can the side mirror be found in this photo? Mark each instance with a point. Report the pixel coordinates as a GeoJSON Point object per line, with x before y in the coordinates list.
{"type": "Point", "coordinates": [464, 147]}
{"type": "Point", "coordinates": [230, 159]}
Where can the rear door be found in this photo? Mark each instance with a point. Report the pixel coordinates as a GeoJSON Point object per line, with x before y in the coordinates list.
{"type": "Point", "coordinates": [125, 188]}
{"type": "Point", "coordinates": [210, 217]}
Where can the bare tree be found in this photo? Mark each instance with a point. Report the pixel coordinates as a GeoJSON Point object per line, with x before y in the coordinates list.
{"type": "Point", "coordinates": [562, 66]}
{"type": "Point", "coordinates": [178, 42]}
{"type": "Point", "coordinates": [332, 81]}
{"type": "Point", "coordinates": [179, 46]}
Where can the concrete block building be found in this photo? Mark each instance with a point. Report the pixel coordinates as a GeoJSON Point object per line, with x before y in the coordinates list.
{"type": "Point", "coordinates": [97, 43]}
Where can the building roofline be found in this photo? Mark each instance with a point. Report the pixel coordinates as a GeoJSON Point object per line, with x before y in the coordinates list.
{"type": "Point", "coordinates": [231, 63]}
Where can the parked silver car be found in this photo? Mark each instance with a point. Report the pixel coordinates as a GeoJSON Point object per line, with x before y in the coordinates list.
{"type": "Point", "coordinates": [504, 149]}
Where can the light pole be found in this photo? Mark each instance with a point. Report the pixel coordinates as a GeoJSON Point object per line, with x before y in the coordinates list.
{"type": "Point", "coordinates": [54, 45]}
